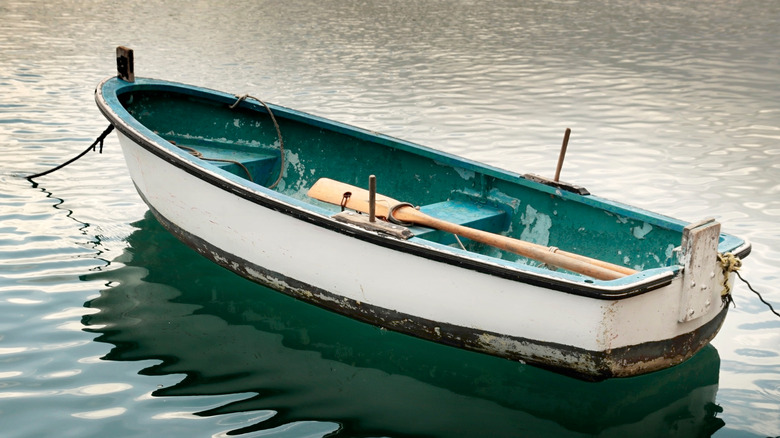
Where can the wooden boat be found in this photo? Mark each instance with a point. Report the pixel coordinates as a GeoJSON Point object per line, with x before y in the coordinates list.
{"type": "Point", "coordinates": [543, 272]}
{"type": "Point", "coordinates": [308, 354]}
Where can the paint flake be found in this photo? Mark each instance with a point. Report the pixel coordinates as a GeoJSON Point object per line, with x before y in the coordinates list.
{"type": "Point", "coordinates": [641, 232]}
{"type": "Point", "coordinates": [537, 226]}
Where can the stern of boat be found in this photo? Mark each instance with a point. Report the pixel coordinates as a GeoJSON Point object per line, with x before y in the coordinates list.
{"type": "Point", "coordinates": [666, 327]}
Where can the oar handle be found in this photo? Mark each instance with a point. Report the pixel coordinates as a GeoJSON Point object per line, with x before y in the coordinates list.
{"type": "Point", "coordinates": [622, 269]}
{"type": "Point", "coordinates": [598, 269]}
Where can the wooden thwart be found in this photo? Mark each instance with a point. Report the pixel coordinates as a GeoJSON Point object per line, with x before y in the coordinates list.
{"type": "Point", "coordinates": [331, 191]}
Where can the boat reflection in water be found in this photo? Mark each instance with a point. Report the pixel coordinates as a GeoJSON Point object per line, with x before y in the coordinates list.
{"type": "Point", "coordinates": [292, 363]}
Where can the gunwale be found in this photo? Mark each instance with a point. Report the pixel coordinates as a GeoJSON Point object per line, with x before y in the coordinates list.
{"type": "Point", "coordinates": [107, 98]}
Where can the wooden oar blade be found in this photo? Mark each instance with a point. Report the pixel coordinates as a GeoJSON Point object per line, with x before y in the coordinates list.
{"type": "Point", "coordinates": [349, 196]}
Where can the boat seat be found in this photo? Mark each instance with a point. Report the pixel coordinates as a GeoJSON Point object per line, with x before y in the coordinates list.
{"type": "Point", "coordinates": [462, 212]}
{"type": "Point", "coordinates": [258, 164]}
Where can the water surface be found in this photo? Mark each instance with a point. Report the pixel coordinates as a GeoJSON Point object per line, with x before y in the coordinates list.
{"type": "Point", "coordinates": [111, 327]}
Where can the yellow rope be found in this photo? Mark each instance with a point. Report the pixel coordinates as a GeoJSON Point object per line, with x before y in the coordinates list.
{"type": "Point", "coordinates": [729, 263]}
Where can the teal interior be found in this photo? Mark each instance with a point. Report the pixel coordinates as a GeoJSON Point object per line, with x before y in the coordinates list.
{"type": "Point", "coordinates": [443, 186]}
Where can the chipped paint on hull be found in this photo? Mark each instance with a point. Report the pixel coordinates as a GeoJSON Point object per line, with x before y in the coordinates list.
{"type": "Point", "coordinates": [565, 359]}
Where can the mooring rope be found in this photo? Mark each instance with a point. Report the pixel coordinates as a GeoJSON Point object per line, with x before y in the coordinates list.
{"type": "Point", "coordinates": [756, 292]}
{"type": "Point", "coordinates": [91, 147]}
{"type": "Point", "coordinates": [731, 263]}
{"type": "Point", "coordinates": [278, 133]}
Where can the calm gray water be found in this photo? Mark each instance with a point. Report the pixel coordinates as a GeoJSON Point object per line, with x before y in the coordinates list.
{"type": "Point", "coordinates": [110, 327]}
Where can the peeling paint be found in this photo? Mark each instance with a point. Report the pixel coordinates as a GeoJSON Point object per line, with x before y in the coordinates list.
{"type": "Point", "coordinates": [537, 226]}
{"type": "Point", "coordinates": [670, 255]}
{"type": "Point", "coordinates": [641, 232]}
{"type": "Point", "coordinates": [465, 174]}
{"type": "Point", "coordinates": [502, 198]}
{"type": "Point", "coordinates": [605, 362]}
{"type": "Point", "coordinates": [298, 167]}
{"type": "Point", "coordinates": [621, 219]}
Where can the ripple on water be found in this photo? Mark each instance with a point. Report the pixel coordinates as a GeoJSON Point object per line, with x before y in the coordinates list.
{"type": "Point", "coordinates": [100, 413]}
{"type": "Point", "coordinates": [673, 107]}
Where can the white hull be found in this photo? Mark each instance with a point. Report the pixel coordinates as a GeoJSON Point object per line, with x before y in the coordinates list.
{"type": "Point", "coordinates": [571, 333]}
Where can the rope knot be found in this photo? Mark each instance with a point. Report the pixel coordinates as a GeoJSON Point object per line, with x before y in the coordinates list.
{"type": "Point", "coordinates": [729, 263]}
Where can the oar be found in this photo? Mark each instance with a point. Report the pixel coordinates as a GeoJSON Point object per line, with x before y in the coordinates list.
{"type": "Point", "coordinates": [356, 198]}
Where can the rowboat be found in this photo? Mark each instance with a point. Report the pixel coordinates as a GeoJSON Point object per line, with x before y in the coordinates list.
{"type": "Point", "coordinates": [437, 246]}
{"type": "Point", "coordinates": [161, 315]}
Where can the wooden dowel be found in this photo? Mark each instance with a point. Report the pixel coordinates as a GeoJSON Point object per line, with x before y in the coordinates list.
{"type": "Point", "coordinates": [372, 198]}
{"type": "Point", "coordinates": [562, 154]}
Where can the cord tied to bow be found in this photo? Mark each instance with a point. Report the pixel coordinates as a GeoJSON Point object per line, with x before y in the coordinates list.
{"type": "Point", "coordinates": [91, 147]}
